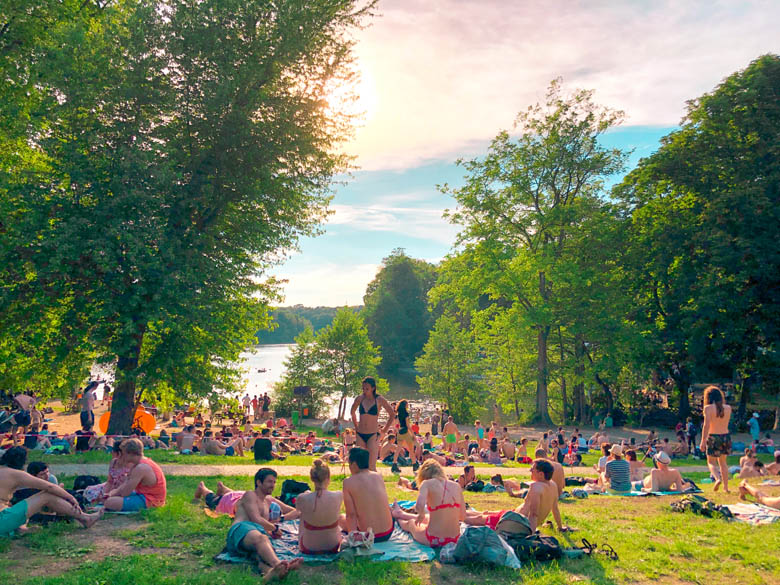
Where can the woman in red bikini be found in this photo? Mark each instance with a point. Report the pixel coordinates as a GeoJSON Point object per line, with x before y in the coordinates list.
{"type": "Point", "coordinates": [442, 499]}
{"type": "Point", "coordinates": [321, 519]}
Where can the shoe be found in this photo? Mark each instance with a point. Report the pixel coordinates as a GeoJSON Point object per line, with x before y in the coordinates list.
{"type": "Point", "coordinates": [416, 466]}
{"type": "Point", "coordinates": [395, 468]}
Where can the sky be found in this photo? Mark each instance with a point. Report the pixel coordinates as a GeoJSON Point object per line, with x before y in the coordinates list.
{"type": "Point", "coordinates": [440, 78]}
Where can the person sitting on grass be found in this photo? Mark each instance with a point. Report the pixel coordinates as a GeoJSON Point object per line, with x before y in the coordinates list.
{"type": "Point", "coordinates": [774, 468]}
{"type": "Point", "coordinates": [508, 449]}
{"type": "Point", "coordinates": [320, 512]}
{"type": "Point", "coordinates": [212, 446]}
{"type": "Point", "coordinates": [492, 455]}
{"type": "Point", "coordinates": [748, 459]}
{"type": "Point", "coordinates": [663, 478]}
{"type": "Point", "coordinates": [83, 439]}
{"type": "Point", "coordinates": [118, 470]}
{"type": "Point", "coordinates": [617, 471]}
{"type": "Point", "coordinates": [558, 477]}
{"type": "Point", "coordinates": [746, 489]}
{"type": "Point", "coordinates": [468, 475]}
{"type": "Point", "coordinates": [185, 440]}
{"type": "Point", "coordinates": [637, 467]}
{"type": "Point", "coordinates": [540, 501]}
{"type": "Point", "coordinates": [441, 524]}
{"type": "Point", "coordinates": [49, 497]}
{"type": "Point", "coordinates": [680, 449]}
{"type": "Point", "coordinates": [263, 447]}
{"type": "Point", "coordinates": [145, 486]}
{"type": "Point", "coordinates": [365, 498]}
{"type": "Point", "coordinates": [249, 534]}
{"type": "Point", "coordinates": [755, 470]}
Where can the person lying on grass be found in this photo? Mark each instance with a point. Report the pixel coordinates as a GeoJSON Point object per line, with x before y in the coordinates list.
{"type": "Point", "coordinates": [663, 478]}
{"type": "Point", "coordinates": [512, 487]}
{"type": "Point", "coordinates": [145, 486]}
{"type": "Point", "coordinates": [541, 500]}
{"type": "Point", "coordinates": [223, 501]}
{"type": "Point", "coordinates": [365, 498]}
{"type": "Point", "coordinates": [251, 528]}
{"type": "Point", "coordinates": [746, 489]}
{"type": "Point", "coordinates": [51, 497]}
{"type": "Point", "coordinates": [321, 518]}
{"type": "Point", "coordinates": [442, 499]}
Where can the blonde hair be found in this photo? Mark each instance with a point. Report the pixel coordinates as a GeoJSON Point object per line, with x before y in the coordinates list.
{"type": "Point", "coordinates": [319, 472]}
{"type": "Point", "coordinates": [429, 470]}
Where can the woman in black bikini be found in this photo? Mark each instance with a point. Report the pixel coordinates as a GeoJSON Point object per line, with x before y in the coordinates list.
{"type": "Point", "coordinates": [367, 428]}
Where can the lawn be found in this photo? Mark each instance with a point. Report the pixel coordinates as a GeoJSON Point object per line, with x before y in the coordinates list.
{"type": "Point", "coordinates": [174, 545]}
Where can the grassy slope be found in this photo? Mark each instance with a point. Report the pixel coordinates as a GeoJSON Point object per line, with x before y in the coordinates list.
{"type": "Point", "coordinates": [174, 545]}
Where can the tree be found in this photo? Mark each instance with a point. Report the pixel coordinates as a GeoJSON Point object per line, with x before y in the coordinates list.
{"type": "Point", "coordinates": [396, 309]}
{"type": "Point", "coordinates": [302, 369]}
{"type": "Point", "coordinates": [287, 325]}
{"type": "Point", "coordinates": [345, 355]}
{"type": "Point", "coordinates": [450, 369]}
{"type": "Point", "coordinates": [171, 152]}
{"type": "Point", "coordinates": [521, 203]}
{"type": "Point", "coordinates": [705, 216]}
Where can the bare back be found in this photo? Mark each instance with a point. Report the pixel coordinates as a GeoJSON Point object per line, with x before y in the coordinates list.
{"type": "Point", "coordinates": [365, 497]}
{"type": "Point", "coordinates": [714, 424]}
{"type": "Point", "coordinates": [539, 502]}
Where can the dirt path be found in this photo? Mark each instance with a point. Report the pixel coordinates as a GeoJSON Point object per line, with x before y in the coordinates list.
{"type": "Point", "coordinates": [286, 470]}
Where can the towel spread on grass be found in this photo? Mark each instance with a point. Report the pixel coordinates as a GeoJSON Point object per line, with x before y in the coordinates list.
{"type": "Point", "coordinates": [400, 547]}
{"type": "Point", "coordinates": [755, 514]}
{"type": "Point", "coordinates": [635, 493]}
{"type": "Point", "coordinates": [771, 482]}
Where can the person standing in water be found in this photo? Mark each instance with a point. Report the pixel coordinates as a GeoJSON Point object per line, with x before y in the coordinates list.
{"type": "Point", "coordinates": [367, 427]}
{"type": "Point", "coordinates": [715, 437]}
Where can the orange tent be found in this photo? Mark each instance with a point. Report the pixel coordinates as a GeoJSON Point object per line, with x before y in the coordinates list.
{"type": "Point", "coordinates": [142, 420]}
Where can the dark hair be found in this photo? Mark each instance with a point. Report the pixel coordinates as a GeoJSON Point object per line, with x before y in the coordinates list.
{"type": "Point", "coordinates": [117, 448]}
{"type": "Point", "coordinates": [359, 457]}
{"type": "Point", "coordinates": [713, 395]}
{"type": "Point", "coordinates": [498, 478]}
{"type": "Point", "coordinates": [207, 434]}
{"type": "Point", "coordinates": [494, 444]}
{"type": "Point", "coordinates": [265, 432]}
{"type": "Point", "coordinates": [467, 469]}
{"type": "Point", "coordinates": [545, 467]}
{"type": "Point", "coordinates": [758, 464]}
{"type": "Point", "coordinates": [371, 382]}
{"type": "Point", "coordinates": [631, 455]}
{"type": "Point", "coordinates": [403, 408]}
{"type": "Point", "coordinates": [262, 473]}
{"type": "Point", "coordinates": [35, 467]}
{"type": "Point", "coordinates": [15, 458]}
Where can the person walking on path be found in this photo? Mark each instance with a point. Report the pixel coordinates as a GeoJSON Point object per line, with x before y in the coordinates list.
{"type": "Point", "coordinates": [715, 437]}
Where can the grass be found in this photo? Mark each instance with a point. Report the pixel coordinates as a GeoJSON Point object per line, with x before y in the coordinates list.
{"type": "Point", "coordinates": [174, 545]}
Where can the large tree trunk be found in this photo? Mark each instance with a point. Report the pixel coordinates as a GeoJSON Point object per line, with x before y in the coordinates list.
{"type": "Point", "coordinates": [563, 379]}
{"type": "Point", "coordinates": [683, 382]}
{"type": "Point", "coordinates": [607, 393]}
{"type": "Point", "coordinates": [579, 372]}
{"type": "Point", "coordinates": [542, 414]}
{"type": "Point", "coordinates": [744, 396]}
{"type": "Point", "coordinates": [123, 405]}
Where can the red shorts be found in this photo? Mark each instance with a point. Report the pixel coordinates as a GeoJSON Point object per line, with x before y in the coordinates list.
{"type": "Point", "coordinates": [493, 518]}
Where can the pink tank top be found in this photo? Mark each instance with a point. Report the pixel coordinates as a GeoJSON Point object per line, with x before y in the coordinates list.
{"type": "Point", "coordinates": [227, 503]}
{"type": "Point", "coordinates": [154, 494]}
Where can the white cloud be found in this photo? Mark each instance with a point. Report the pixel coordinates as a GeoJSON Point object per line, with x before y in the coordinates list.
{"type": "Point", "coordinates": [444, 74]}
{"type": "Point", "coordinates": [409, 221]}
{"type": "Point", "coordinates": [327, 284]}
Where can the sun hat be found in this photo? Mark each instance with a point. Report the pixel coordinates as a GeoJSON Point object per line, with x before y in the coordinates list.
{"type": "Point", "coordinates": [616, 450]}
{"type": "Point", "coordinates": [663, 457]}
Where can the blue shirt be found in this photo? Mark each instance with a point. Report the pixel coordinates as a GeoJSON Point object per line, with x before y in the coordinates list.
{"type": "Point", "coordinates": [755, 429]}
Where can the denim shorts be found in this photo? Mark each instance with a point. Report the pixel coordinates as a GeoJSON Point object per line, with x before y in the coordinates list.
{"type": "Point", "coordinates": [133, 503]}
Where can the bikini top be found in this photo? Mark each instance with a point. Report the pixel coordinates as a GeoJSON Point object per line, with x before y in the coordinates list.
{"type": "Point", "coordinates": [442, 506]}
{"type": "Point", "coordinates": [373, 411]}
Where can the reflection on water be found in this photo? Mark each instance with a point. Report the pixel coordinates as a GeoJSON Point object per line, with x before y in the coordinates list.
{"type": "Point", "coordinates": [265, 367]}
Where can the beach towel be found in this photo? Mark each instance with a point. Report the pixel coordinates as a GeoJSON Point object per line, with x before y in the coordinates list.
{"type": "Point", "coordinates": [639, 494]}
{"type": "Point", "coordinates": [400, 547]}
{"type": "Point", "coordinates": [754, 514]}
{"type": "Point", "coordinates": [771, 482]}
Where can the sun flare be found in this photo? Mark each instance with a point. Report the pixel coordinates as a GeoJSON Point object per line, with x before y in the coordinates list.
{"type": "Point", "coordinates": [355, 98]}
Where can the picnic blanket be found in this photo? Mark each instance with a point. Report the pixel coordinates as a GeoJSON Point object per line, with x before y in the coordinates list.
{"type": "Point", "coordinates": [771, 482]}
{"type": "Point", "coordinates": [400, 547]}
{"type": "Point", "coordinates": [755, 514]}
{"type": "Point", "coordinates": [639, 494]}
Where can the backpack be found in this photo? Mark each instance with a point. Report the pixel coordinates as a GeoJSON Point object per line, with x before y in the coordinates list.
{"type": "Point", "coordinates": [574, 481]}
{"type": "Point", "coordinates": [481, 544]}
{"type": "Point", "coordinates": [476, 486]}
{"type": "Point", "coordinates": [535, 547]}
{"type": "Point", "coordinates": [84, 481]}
{"type": "Point", "coordinates": [291, 489]}
{"type": "Point", "coordinates": [514, 524]}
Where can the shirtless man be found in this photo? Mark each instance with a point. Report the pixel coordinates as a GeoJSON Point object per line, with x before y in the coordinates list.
{"type": "Point", "coordinates": [745, 488]}
{"type": "Point", "coordinates": [212, 446]}
{"type": "Point", "coordinates": [774, 468]}
{"type": "Point", "coordinates": [249, 534]}
{"type": "Point", "coordinates": [365, 498]}
{"type": "Point", "coordinates": [144, 488]}
{"type": "Point", "coordinates": [451, 434]}
{"type": "Point", "coordinates": [541, 500]}
{"type": "Point", "coordinates": [557, 477]}
{"type": "Point", "coordinates": [663, 477]}
{"type": "Point", "coordinates": [50, 496]}
{"type": "Point", "coordinates": [508, 449]}
{"type": "Point", "coordinates": [467, 476]}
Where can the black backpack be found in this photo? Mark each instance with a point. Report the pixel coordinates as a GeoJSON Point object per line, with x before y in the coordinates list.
{"type": "Point", "coordinates": [476, 486]}
{"type": "Point", "coordinates": [534, 547]}
{"type": "Point", "coordinates": [291, 489]}
{"type": "Point", "coordinates": [82, 482]}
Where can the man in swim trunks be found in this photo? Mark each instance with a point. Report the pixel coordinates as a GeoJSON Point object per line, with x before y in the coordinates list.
{"type": "Point", "coordinates": [145, 486]}
{"type": "Point", "coordinates": [251, 529]}
{"type": "Point", "coordinates": [365, 498]}
{"type": "Point", "coordinates": [50, 496]}
{"type": "Point", "coordinates": [541, 500]}
{"type": "Point", "coordinates": [451, 434]}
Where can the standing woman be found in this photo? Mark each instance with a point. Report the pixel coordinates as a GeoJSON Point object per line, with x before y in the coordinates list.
{"type": "Point", "coordinates": [367, 428]}
{"type": "Point", "coordinates": [715, 435]}
{"type": "Point", "coordinates": [405, 437]}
